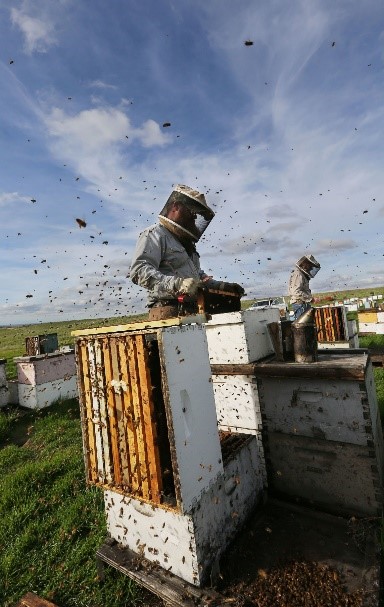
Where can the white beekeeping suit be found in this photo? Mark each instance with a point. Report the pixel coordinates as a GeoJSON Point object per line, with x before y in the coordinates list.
{"type": "Point", "coordinates": [166, 261]}
{"type": "Point", "coordinates": [298, 287]}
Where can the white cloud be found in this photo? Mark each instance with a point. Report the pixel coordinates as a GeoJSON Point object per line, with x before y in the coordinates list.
{"type": "Point", "coordinates": [89, 130]}
{"type": "Point", "coordinates": [12, 197]}
{"type": "Point", "coordinates": [100, 84]}
{"type": "Point", "coordinates": [150, 135]}
{"type": "Point", "coordinates": [38, 34]}
{"type": "Point", "coordinates": [325, 245]}
{"type": "Point", "coordinates": [94, 142]}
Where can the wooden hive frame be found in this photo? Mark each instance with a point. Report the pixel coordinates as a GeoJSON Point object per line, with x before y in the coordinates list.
{"type": "Point", "coordinates": [119, 431]}
{"type": "Point", "coordinates": [329, 323]}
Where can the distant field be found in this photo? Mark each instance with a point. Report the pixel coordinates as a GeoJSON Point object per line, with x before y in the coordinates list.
{"type": "Point", "coordinates": [12, 339]}
{"type": "Point", "coordinates": [347, 294]}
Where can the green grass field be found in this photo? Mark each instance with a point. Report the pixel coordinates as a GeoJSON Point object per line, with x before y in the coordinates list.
{"type": "Point", "coordinates": [50, 523]}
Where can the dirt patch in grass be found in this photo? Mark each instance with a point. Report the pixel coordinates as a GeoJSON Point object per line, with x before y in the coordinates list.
{"type": "Point", "coordinates": [20, 427]}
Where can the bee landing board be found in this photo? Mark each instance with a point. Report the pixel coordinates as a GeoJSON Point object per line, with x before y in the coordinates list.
{"type": "Point", "coordinates": [151, 441]}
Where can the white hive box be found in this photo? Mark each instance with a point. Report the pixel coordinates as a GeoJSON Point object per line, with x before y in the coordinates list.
{"type": "Point", "coordinates": [240, 337]}
{"type": "Point", "coordinates": [237, 403]}
{"type": "Point", "coordinates": [323, 436]}
{"type": "Point", "coordinates": [371, 327]}
{"type": "Point", "coordinates": [45, 378]}
{"type": "Point", "coordinates": [189, 544]}
{"type": "Point", "coordinates": [238, 409]}
{"type": "Point", "coordinates": [176, 491]}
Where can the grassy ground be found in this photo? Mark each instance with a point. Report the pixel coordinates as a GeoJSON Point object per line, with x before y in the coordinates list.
{"type": "Point", "coordinates": [50, 523]}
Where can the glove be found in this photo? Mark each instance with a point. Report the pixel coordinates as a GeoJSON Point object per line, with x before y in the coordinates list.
{"type": "Point", "coordinates": [232, 287]}
{"type": "Point", "coordinates": [188, 286]}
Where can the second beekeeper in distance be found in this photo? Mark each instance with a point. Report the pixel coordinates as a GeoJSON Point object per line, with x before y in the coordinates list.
{"type": "Point", "coordinates": [166, 261]}
{"type": "Point", "coordinates": [298, 288]}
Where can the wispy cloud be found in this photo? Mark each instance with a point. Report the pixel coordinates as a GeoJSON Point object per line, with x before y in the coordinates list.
{"type": "Point", "coordinates": [96, 142]}
{"type": "Point", "coordinates": [324, 245]}
{"type": "Point", "coordinates": [13, 197]}
{"type": "Point", "coordinates": [100, 84]}
{"type": "Point", "coordinates": [39, 34]}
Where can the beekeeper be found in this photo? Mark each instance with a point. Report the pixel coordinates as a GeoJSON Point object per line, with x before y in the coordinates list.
{"type": "Point", "coordinates": [166, 261]}
{"type": "Point", "coordinates": [298, 288]}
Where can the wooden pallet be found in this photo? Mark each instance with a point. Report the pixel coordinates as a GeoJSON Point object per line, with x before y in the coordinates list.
{"type": "Point", "coordinates": [174, 591]}
{"type": "Point", "coordinates": [32, 600]}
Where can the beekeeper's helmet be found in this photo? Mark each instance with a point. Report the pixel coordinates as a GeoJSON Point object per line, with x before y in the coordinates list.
{"type": "Point", "coordinates": [196, 203]}
{"type": "Point", "coordinates": [309, 265]}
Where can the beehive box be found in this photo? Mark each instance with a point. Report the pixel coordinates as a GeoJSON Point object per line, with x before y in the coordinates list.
{"type": "Point", "coordinates": [240, 337]}
{"type": "Point", "coordinates": [376, 328]}
{"type": "Point", "coordinates": [41, 344]}
{"type": "Point", "coordinates": [45, 378]}
{"type": "Point", "coordinates": [322, 431]}
{"type": "Point", "coordinates": [367, 316]}
{"type": "Point", "coordinates": [175, 490]}
{"type": "Point", "coordinates": [238, 409]}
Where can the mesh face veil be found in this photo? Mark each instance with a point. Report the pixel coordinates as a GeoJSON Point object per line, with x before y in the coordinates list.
{"type": "Point", "coordinates": [309, 265]}
{"type": "Point", "coordinates": [196, 204]}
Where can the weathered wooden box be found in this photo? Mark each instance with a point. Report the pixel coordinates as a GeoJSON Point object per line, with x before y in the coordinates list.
{"type": "Point", "coordinates": [322, 432]}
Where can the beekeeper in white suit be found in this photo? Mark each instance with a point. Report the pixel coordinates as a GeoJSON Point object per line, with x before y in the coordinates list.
{"type": "Point", "coordinates": [298, 288]}
{"type": "Point", "coordinates": [166, 261]}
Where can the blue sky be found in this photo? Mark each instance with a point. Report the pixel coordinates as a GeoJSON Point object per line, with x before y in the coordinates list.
{"type": "Point", "coordinates": [285, 137]}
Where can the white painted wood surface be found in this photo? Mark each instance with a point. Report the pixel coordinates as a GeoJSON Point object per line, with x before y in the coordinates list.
{"type": "Point", "coordinates": [43, 395]}
{"type": "Point", "coordinates": [238, 409]}
{"type": "Point", "coordinates": [324, 441]}
{"type": "Point", "coordinates": [240, 337]}
{"type": "Point", "coordinates": [35, 370]}
{"type": "Point", "coordinates": [318, 408]}
{"type": "Point", "coordinates": [237, 402]}
{"type": "Point", "coordinates": [189, 544]}
{"type": "Point", "coordinates": [191, 407]}
{"type": "Point", "coordinates": [372, 327]}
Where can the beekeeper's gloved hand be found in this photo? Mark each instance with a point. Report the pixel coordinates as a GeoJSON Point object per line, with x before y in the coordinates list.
{"type": "Point", "coordinates": [188, 286]}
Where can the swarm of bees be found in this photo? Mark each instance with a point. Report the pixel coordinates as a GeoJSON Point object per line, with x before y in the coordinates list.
{"type": "Point", "coordinates": [297, 584]}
